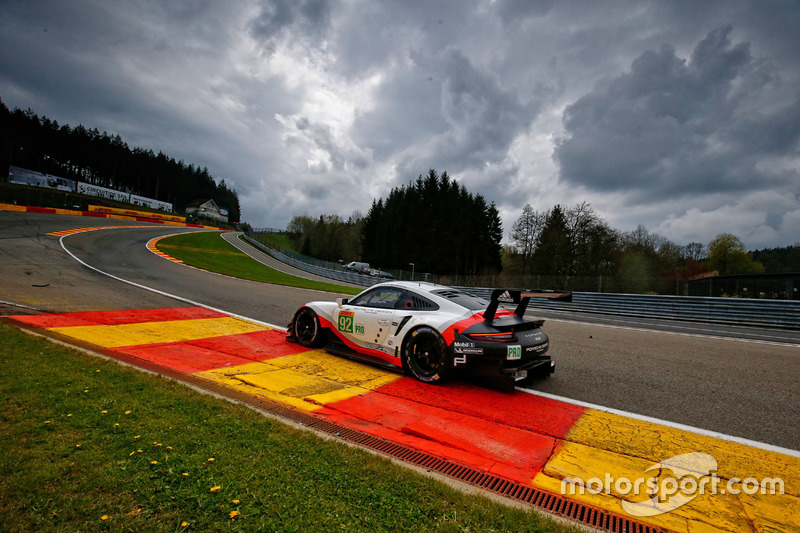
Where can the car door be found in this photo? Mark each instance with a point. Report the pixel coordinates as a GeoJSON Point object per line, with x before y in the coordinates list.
{"type": "Point", "coordinates": [367, 319]}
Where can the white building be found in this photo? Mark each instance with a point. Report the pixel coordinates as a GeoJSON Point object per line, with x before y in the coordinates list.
{"type": "Point", "coordinates": [207, 209]}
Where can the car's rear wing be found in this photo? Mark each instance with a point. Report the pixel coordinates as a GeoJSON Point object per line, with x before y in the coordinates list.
{"type": "Point", "coordinates": [521, 297]}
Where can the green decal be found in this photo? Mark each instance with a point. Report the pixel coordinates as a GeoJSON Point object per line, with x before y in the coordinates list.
{"type": "Point", "coordinates": [346, 323]}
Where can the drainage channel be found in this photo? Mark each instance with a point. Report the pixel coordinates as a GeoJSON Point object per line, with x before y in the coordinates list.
{"type": "Point", "coordinates": [552, 503]}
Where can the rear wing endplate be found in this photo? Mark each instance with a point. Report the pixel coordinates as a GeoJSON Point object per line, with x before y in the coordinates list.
{"type": "Point", "coordinates": [521, 297]}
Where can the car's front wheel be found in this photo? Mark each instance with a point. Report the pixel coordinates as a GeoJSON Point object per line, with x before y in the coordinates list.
{"type": "Point", "coordinates": [424, 355]}
{"type": "Point", "coordinates": [307, 329]}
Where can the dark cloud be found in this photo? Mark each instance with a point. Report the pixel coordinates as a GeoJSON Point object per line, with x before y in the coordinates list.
{"type": "Point", "coordinates": [300, 19]}
{"type": "Point", "coordinates": [678, 114]}
{"type": "Point", "coordinates": [481, 119]}
{"type": "Point", "coordinates": [674, 127]}
{"type": "Point", "coordinates": [515, 11]}
{"type": "Point", "coordinates": [405, 109]}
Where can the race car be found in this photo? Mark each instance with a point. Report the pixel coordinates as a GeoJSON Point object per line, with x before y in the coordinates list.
{"type": "Point", "coordinates": [430, 331]}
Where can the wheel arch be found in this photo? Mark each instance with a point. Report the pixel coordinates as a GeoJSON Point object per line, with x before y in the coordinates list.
{"type": "Point", "coordinates": [409, 336]}
{"type": "Point", "coordinates": [322, 322]}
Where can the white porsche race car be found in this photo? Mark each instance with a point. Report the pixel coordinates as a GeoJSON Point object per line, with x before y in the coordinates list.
{"type": "Point", "coordinates": [432, 330]}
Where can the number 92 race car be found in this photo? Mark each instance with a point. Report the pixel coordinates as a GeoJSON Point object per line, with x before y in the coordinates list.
{"type": "Point", "coordinates": [431, 330]}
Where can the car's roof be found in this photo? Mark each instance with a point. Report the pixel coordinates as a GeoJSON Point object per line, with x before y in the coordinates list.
{"type": "Point", "coordinates": [446, 296]}
{"type": "Point", "coordinates": [422, 286]}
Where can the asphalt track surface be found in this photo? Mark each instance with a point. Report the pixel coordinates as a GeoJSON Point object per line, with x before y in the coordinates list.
{"type": "Point", "coordinates": [744, 388]}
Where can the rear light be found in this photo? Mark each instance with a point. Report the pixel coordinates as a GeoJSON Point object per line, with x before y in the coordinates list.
{"type": "Point", "coordinates": [500, 336]}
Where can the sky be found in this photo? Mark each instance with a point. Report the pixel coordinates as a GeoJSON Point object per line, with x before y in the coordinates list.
{"type": "Point", "coordinates": [682, 116]}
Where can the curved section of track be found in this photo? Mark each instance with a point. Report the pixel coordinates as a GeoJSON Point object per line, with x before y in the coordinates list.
{"type": "Point", "coordinates": [741, 388]}
{"type": "Point", "coordinates": [271, 262]}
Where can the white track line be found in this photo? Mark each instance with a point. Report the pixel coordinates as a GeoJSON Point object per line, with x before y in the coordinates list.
{"type": "Point", "coordinates": [162, 293]}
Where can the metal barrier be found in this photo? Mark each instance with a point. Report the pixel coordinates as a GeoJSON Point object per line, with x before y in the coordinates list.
{"type": "Point", "coordinates": [338, 275]}
{"type": "Point", "coordinates": [734, 311]}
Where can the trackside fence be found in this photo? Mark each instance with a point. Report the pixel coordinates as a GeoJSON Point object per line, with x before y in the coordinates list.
{"type": "Point", "coordinates": [734, 311]}
{"type": "Point", "coordinates": [327, 269]}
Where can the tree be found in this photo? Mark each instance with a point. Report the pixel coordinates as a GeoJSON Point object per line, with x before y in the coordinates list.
{"type": "Point", "coordinates": [86, 154]}
{"type": "Point", "coordinates": [494, 239]}
{"type": "Point", "coordinates": [525, 233]}
{"type": "Point", "coordinates": [436, 224]}
{"type": "Point", "coordinates": [553, 254]}
{"type": "Point", "coordinates": [783, 259]}
{"type": "Point", "coordinates": [726, 255]}
{"type": "Point", "coordinates": [694, 251]}
{"type": "Point", "coordinates": [639, 259]}
{"type": "Point", "coordinates": [594, 243]}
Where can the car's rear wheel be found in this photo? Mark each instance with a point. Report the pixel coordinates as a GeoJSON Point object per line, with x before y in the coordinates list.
{"type": "Point", "coordinates": [424, 355]}
{"type": "Point", "coordinates": [307, 329]}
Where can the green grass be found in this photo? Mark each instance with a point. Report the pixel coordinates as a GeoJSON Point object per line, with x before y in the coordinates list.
{"type": "Point", "coordinates": [209, 251]}
{"type": "Point", "coordinates": [90, 445]}
{"type": "Point", "coordinates": [280, 241]}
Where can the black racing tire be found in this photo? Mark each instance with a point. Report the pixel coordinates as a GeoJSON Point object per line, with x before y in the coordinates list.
{"type": "Point", "coordinates": [307, 329]}
{"type": "Point", "coordinates": [425, 355]}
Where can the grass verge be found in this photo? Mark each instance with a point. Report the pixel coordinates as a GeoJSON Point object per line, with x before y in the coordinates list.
{"type": "Point", "coordinates": [279, 241]}
{"type": "Point", "coordinates": [90, 445]}
{"type": "Point", "coordinates": [207, 250]}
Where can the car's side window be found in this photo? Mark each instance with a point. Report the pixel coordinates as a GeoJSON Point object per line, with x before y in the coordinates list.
{"type": "Point", "coordinates": [415, 302]}
{"type": "Point", "coordinates": [361, 298]}
{"type": "Point", "coordinates": [382, 297]}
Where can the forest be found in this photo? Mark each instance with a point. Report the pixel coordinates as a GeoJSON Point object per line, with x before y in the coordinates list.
{"type": "Point", "coordinates": [433, 223]}
{"type": "Point", "coordinates": [83, 154]}
{"type": "Point", "coordinates": [436, 224]}
{"type": "Point", "coordinates": [445, 230]}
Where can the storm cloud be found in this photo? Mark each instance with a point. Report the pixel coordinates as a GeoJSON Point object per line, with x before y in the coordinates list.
{"type": "Point", "coordinates": [684, 117]}
{"type": "Point", "coordinates": [672, 127]}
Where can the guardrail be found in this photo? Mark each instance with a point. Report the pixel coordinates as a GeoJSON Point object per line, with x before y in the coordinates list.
{"type": "Point", "coordinates": [338, 275]}
{"type": "Point", "coordinates": [734, 311]}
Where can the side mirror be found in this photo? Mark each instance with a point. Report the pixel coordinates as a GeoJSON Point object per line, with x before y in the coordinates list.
{"type": "Point", "coordinates": [341, 301]}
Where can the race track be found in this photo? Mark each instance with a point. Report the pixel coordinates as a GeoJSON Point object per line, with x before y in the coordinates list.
{"type": "Point", "coordinates": [746, 389]}
{"type": "Point", "coordinates": [622, 398]}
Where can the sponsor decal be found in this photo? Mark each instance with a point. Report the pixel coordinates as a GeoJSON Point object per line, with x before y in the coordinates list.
{"type": "Point", "coordinates": [346, 322]}
{"type": "Point", "coordinates": [536, 336]}
{"type": "Point", "coordinates": [470, 351]}
{"type": "Point", "coordinates": [671, 484]}
{"type": "Point", "coordinates": [539, 348]}
{"type": "Point", "coordinates": [464, 348]}
{"type": "Point", "coordinates": [505, 297]}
